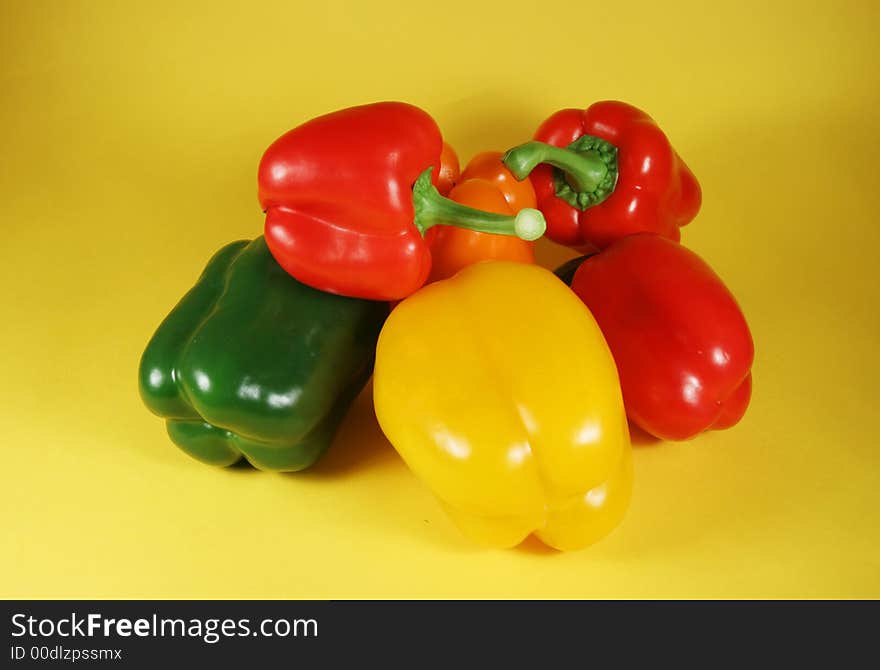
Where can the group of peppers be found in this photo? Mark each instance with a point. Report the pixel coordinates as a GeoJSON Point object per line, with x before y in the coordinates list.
{"type": "Point", "coordinates": [505, 387]}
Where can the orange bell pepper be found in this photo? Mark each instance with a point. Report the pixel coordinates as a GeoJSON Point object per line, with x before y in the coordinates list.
{"type": "Point", "coordinates": [488, 167]}
{"type": "Point", "coordinates": [449, 170]}
{"type": "Point", "coordinates": [488, 185]}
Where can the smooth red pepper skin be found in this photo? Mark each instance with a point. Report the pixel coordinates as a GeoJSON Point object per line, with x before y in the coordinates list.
{"type": "Point", "coordinates": [655, 192]}
{"type": "Point", "coordinates": [337, 192]}
{"type": "Point", "coordinates": [682, 346]}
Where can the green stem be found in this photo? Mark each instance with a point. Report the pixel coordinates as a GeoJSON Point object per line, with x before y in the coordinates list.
{"type": "Point", "coordinates": [586, 170]}
{"type": "Point", "coordinates": [432, 209]}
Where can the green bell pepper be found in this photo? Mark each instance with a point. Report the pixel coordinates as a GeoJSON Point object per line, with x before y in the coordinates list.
{"type": "Point", "coordinates": [251, 363]}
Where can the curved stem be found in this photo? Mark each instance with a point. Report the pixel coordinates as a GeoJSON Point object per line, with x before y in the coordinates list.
{"type": "Point", "coordinates": [583, 170]}
{"type": "Point", "coordinates": [432, 209]}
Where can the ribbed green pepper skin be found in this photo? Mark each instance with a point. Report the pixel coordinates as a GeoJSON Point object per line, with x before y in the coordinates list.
{"type": "Point", "coordinates": [251, 363]}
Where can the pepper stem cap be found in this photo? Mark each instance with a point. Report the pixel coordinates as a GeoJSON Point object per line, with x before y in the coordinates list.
{"type": "Point", "coordinates": [586, 170]}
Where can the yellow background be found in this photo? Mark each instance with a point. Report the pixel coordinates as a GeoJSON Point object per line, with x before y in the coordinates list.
{"type": "Point", "coordinates": [129, 139]}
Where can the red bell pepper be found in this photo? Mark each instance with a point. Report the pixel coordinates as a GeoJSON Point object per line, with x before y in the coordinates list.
{"type": "Point", "coordinates": [682, 346]}
{"type": "Point", "coordinates": [348, 197]}
{"type": "Point", "coordinates": [604, 173]}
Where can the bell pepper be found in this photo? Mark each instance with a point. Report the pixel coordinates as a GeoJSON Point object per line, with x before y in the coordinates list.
{"type": "Point", "coordinates": [499, 392]}
{"type": "Point", "coordinates": [680, 341]}
{"type": "Point", "coordinates": [450, 170]}
{"type": "Point", "coordinates": [487, 166]}
{"type": "Point", "coordinates": [488, 185]}
{"type": "Point", "coordinates": [606, 172]}
{"type": "Point", "coordinates": [349, 196]}
{"type": "Point", "coordinates": [252, 363]}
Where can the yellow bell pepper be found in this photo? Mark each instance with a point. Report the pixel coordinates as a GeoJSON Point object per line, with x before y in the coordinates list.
{"type": "Point", "coordinates": [498, 390]}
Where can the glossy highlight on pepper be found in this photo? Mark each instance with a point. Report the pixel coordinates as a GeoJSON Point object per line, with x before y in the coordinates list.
{"type": "Point", "coordinates": [498, 390]}
{"type": "Point", "coordinates": [253, 364]}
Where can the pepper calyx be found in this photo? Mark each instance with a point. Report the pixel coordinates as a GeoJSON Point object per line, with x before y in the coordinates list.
{"type": "Point", "coordinates": [605, 152]}
{"type": "Point", "coordinates": [585, 172]}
